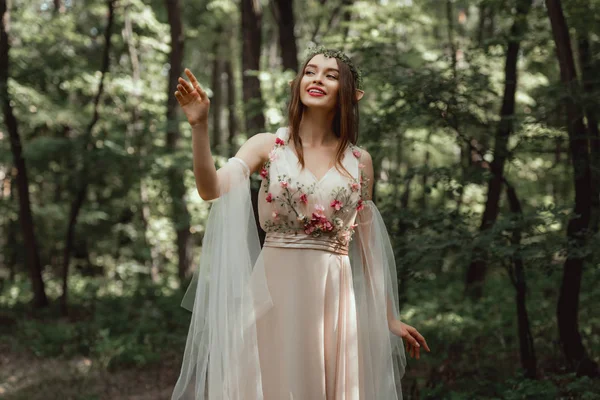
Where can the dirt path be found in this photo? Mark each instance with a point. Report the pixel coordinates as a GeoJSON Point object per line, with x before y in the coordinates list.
{"type": "Point", "coordinates": [23, 376]}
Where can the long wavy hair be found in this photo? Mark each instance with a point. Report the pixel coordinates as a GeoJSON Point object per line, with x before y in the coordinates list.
{"type": "Point", "coordinates": [345, 121]}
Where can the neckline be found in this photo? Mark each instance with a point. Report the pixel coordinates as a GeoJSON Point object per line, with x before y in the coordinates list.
{"type": "Point", "coordinates": [308, 169]}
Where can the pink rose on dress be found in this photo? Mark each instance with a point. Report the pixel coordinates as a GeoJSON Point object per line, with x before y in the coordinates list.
{"type": "Point", "coordinates": [355, 186]}
{"type": "Point", "coordinates": [275, 215]}
{"type": "Point", "coordinates": [319, 208]}
{"type": "Point", "coordinates": [336, 204]}
{"type": "Point", "coordinates": [284, 184]}
{"type": "Point", "coordinates": [360, 205]}
{"type": "Point", "coordinates": [279, 142]}
{"type": "Point", "coordinates": [269, 198]}
{"type": "Point", "coordinates": [317, 224]}
{"type": "Point", "coordinates": [264, 173]}
{"type": "Point", "coordinates": [356, 153]}
{"type": "Point", "coordinates": [304, 198]}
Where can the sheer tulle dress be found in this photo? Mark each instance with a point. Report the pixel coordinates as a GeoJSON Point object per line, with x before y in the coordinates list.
{"type": "Point", "coordinates": [305, 318]}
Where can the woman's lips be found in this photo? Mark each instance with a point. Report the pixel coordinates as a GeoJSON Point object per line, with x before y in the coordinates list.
{"type": "Point", "coordinates": [315, 91]}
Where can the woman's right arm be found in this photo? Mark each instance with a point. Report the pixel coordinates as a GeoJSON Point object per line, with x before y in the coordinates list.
{"type": "Point", "coordinates": [254, 152]}
{"type": "Point", "coordinates": [195, 104]}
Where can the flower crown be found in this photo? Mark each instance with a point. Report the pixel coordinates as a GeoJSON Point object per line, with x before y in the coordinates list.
{"type": "Point", "coordinates": [340, 55]}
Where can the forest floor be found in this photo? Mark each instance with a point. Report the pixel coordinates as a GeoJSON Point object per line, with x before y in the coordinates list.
{"type": "Point", "coordinates": [23, 376]}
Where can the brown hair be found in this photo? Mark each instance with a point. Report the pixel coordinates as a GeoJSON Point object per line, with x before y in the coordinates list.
{"type": "Point", "coordinates": [345, 121]}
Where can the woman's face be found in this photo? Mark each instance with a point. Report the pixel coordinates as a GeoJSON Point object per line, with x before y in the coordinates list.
{"type": "Point", "coordinates": [320, 83]}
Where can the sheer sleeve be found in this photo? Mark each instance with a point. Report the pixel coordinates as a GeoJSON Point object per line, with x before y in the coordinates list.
{"type": "Point", "coordinates": [227, 294]}
{"type": "Point", "coordinates": [376, 290]}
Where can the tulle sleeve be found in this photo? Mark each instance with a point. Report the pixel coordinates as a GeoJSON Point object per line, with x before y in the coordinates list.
{"type": "Point", "coordinates": [227, 294]}
{"type": "Point", "coordinates": [376, 289]}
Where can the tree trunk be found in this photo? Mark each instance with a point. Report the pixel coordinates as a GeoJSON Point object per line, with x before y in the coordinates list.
{"type": "Point", "coordinates": [232, 124]}
{"type": "Point", "coordinates": [567, 309]}
{"type": "Point", "coordinates": [216, 103]}
{"type": "Point", "coordinates": [346, 18]}
{"type": "Point", "coordinates": [58, 7]}
{"type": "Point", "coordinates": [591, 106]}
{"type": "Point", "coordinates": [517, 276]}
{"type": "Point", "coordinates": [180, 215]}
{"type": "Point", "coordinates": [425, 174]}
{"type": "Point", "coordinates": [287, 38]}
{"type": "Point", "coordinates": [32, 253]}
{"type": "Point", "coordinates": [477, 268]}
{"type": "Point", "coordinates": [82, 176]}
{"type": "Point", "coordinates": [251, 48]}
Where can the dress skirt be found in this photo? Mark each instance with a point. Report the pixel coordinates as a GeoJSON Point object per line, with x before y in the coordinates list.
{"type": "Point", "coordinates": [307, 342]}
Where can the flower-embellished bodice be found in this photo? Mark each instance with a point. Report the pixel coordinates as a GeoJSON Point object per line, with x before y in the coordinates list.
{"type": "Point", "coordinates": [293, 201]}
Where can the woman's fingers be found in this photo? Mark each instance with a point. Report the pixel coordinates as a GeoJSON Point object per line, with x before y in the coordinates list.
{"type": "Point", "coordinates": [419, 337]}
{"type": "Point", "coordinates": [182, 89]}
{"type": "Point", "coordinates": [195, 84]}
{"type": "Point", "coordinates": [179, 97]}
{"type": "Point", "coordinates": [186, 85]}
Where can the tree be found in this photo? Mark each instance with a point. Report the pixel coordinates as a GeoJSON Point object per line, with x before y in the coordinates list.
{"type": "Point", "coordinates": [82, 175]}
{"type": "Point", "coordinates": [567, 309]}
{"type": "Point", "coordinates": [477, 268]}
{"type": "Point", "coordinates": [251, 47]}
{"type": "Point", "coordinates": [287, 38]}
{"type": "Point", "coordinates": [180, 214]}
{"type": "Point", "coordinates": [25, 215]}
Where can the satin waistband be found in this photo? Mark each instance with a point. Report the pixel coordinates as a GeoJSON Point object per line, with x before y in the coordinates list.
{"type": "Point", "coordinates": [304, 241]}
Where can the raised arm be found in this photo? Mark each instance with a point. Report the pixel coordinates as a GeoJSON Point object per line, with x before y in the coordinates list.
{"type": "Point", "coordinates": [196, 104]}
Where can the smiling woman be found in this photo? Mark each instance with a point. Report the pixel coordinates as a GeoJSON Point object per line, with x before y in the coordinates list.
{"type": "Point", "coordinates": [313, 315]}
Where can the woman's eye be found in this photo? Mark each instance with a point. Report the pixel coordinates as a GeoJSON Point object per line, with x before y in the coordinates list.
{"type": "Point", "coordinates": [309, 72]}
{"type": "Point", "coordinates": [332, 76]}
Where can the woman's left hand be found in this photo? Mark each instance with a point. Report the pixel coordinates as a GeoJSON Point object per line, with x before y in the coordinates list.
{"type": "Point", "coordinates": [411, 337]}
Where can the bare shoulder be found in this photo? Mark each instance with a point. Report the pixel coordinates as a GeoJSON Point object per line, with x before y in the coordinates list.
{"type": "Point", "coordinates": [255, 151]}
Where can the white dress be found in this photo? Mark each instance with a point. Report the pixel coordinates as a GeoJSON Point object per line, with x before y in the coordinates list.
{"type": "Point", "coordinates": [304, 318]}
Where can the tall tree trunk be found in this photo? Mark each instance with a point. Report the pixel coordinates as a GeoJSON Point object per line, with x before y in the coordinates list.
{"type": "Point", "coordinates": [567, 310]}
{"type": "Point", "coordinates": [425, 174]}
{"type": "Point", "coordinates": [287, 38]}
{"type": "Point", "coordinates": [477, 268]}
{"type": "Point", "coordinates": [251, 48]}
{"type": "Point", "coordinates": [32, 252]}
{"type": "Point", "coordinates": [180, 215]}
{"type": "Point", "coordinates": [517, 276]}
{"type": "Point", "coordinates": [346, 17]}
{"type": "Point", "coordinates": [216, 103]}
{"type": "Point", "coordinates": [58, 7]}
{"type": "Point", "coordinates": [589, 69]}
{"type": "Point", "coordinates": [232, 124]}
{"type": "Point", "coordinates": [253, 102]}
{"type": "Point", "coordinates": [82, 175]}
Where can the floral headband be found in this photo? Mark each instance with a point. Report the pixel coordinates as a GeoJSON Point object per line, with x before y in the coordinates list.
{"type": "Point", "coordinates": [340, 55]}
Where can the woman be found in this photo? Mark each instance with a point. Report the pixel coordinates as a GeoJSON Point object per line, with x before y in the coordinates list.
{"type": "Point", "coordinates": [313, 315]}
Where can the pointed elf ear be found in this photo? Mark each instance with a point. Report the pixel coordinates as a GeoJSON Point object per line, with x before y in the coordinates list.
{"type": "Point", "coordinates": [291, 82]}
{"type": "Point", "coordinates": [359, 94]}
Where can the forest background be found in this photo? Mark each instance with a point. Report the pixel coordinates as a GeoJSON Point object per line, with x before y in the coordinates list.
{"type": "Point", "coordinates": [482, 120]}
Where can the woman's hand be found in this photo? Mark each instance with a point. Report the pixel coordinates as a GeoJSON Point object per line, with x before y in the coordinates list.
{"type": "Point", "coordinates": [192, 99]}
{"type": "Point", "coordinates": [411, 337]}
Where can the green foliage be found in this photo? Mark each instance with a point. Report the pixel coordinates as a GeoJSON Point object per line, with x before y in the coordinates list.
{"type": "Point", "coordinates": [135, 328]}
{"type": "Point", "coordinates": [433, 76]}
